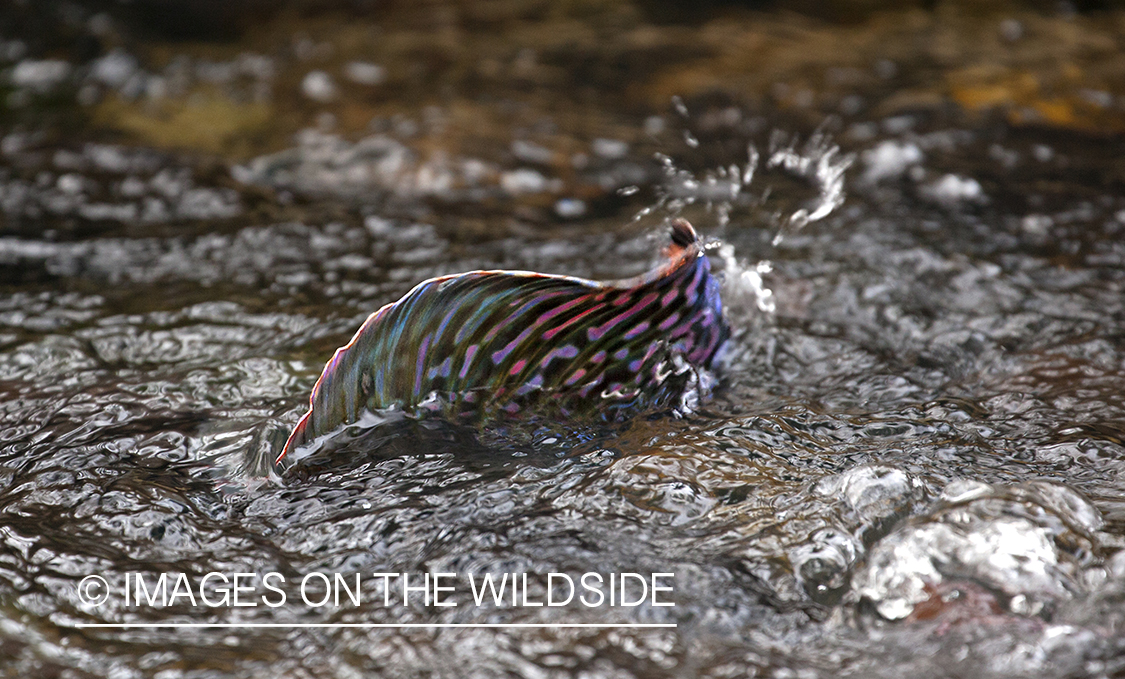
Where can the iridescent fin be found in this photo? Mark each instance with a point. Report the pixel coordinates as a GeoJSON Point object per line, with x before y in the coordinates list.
{"type": "Point", "coordinates": [496, 341]}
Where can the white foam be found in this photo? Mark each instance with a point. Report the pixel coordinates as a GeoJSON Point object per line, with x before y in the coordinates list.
{"type": "Point", "coordinates": [890, 160]}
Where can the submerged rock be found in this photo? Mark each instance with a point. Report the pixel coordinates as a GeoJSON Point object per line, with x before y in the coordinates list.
{"type": "Point", "coordinates": [1027, 545]}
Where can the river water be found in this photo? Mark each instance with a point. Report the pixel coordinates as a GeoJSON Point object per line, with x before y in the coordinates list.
{"type": "Point", "coordinates": [911, 465]}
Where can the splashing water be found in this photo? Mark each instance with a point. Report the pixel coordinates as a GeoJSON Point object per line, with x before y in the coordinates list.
{"type": "Point", "coordinates": [744, 286]}
{"type": "Point", "coordinates": [820, 162]}
{"type": "Point", "coordinates": [817, 162]}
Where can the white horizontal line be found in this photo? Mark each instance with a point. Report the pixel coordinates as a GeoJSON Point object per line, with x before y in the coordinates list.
{"type": "Point", "coordinates": [389, 625]}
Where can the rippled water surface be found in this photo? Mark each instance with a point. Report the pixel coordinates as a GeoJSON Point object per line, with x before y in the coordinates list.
{"type": "Point", "coordinates": [912, 462]}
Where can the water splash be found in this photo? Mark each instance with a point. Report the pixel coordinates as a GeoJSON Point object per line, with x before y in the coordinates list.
{"type": "Point", "coordinates": [818, 161]}
{"type": "Point", "coordinates": [815, 163]}
{"type": "Point", "coordinates": [719, 189]}
{"type": "Point", "coordinates": [744, 286]}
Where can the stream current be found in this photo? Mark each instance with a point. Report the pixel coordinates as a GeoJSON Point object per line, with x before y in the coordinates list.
{"type": "Point", "coordinates": [911, 464]}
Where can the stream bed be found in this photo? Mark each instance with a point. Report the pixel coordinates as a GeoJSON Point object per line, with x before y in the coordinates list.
{"type": "Point", "coordinates": [912, 462]}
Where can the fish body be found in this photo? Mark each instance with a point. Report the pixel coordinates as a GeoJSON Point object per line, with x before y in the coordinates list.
{"type": "Point", "coordinates": [504, 341]}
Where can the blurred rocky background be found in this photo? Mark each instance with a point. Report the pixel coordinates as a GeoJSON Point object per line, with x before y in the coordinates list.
{"type": "Point", "coordinates": [541, 109]}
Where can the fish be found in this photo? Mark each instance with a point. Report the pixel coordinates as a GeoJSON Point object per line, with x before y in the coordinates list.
{"type": "Point", "coordinates": [503, 342]}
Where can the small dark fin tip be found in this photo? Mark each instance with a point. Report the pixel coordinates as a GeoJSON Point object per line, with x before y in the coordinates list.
{"type": "Point", "coordinates": [296, 437]}
{"type": "Point", "coordinates": [683, 234]}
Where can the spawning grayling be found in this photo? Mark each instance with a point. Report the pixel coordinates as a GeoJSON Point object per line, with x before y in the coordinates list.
{"type": "Point", "coordinates": [506, 341]}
